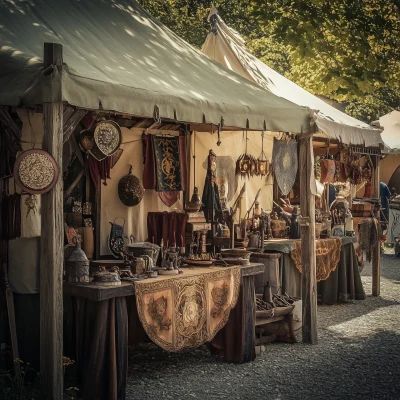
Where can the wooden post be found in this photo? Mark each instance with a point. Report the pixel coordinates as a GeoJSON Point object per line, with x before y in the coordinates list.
{"type": "Point", "coordinates": [51, 267]}
{"type": "Point", "coordinates": [376, 256]}
{"type": "Point", "coordinates": [308, 261]}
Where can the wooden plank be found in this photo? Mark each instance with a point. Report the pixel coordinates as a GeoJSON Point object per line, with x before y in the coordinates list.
{"type": "Point", "coordinates": [77, 149]}
{"type": "Point", "coordinates": [252, 269]}
{"type": "Point", "coordinates": [144, 123]}
{"type": "Point", "coordinates": [376, 256]}
{"type": "Point", "coordinates": [11, 314]}
{"type": "Point", "coordinates": [73, 184]}
{"type": "Point", "coordinates": [97, 222]}
{"type": "Point", "coordinates": [99, 293]}
{"type": "Point", "coordinates": [265, 321]}
{"type": "Point", "coordinates": [68, 111]}
{"type": "Point", "coordinates": [308, 260]}
{"type": "Point", "coordinates": [72, 123]}
{"type": "Point", "coordinates": [51, 267]}
{"type": "Point", "coordinates": [249, 318]}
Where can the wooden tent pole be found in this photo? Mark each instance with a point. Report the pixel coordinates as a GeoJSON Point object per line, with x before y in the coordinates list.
{"type": "Point", "coordinates": [51, 266]}
{"type": "Point", "coordinates": [376, 257]}
{"type": "Point", "coordinates": [308, 261]}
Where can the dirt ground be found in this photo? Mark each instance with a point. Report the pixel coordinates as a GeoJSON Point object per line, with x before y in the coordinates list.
{"type": "Point", "coordinates": [357, 357]}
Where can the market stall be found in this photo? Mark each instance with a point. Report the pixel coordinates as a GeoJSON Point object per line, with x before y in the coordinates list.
{"type": "Point", "coordinates": [88, 110]}
{"type": "Point", "coordinates": [340, 141]}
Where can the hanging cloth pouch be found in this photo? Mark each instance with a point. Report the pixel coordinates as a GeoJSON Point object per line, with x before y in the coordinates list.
{"type": "Point", "coordinates": [116, 238]}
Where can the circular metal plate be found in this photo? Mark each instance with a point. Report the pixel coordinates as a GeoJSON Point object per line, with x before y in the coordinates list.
{"type": "Point", "coordinates": [35, 171]}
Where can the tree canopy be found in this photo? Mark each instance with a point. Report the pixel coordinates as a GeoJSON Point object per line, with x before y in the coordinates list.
{"type": "Point", "coordinates": [348, 51]}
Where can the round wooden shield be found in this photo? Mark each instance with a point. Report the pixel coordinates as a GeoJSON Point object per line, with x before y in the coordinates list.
{"type": "Point", "coordinates": [35, 171]}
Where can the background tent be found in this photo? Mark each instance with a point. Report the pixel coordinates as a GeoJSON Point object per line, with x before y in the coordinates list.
{"type": "Point", "coordinates": [226, 46]}
{"type": "Point", "coordinates": [117, 57]}
{"type": "Point", "coordinates": [391, 129]}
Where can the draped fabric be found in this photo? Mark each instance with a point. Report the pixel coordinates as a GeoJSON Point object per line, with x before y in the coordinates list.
{"type": "Point", "coordinates": [99, 169]}
{"type": "Point", "coordinates": [10, 143]}
{"type": "Point", "coordinates": [11, 216]}
{"type": "Point", "coordinates": [187, 310]}
{"type": "Point", "coordinates": [169, 227]}
{"type": "Point", "coordinates": [327, 256]}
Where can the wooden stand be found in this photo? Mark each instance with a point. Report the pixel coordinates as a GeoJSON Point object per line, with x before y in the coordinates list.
{"type": "Point", "coordinates": [376, 258]}
{"type": "Point", "coordinates": [308, 260]}
{"type": "Point", "coordinates": [51, 267]}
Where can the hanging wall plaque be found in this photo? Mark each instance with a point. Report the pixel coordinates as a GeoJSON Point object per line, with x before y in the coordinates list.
{"type": "Point", "coordinates": [285, 163]}
{"type": "Point", "coordinates": [107, 138]}
{"type": "Point", "coordinates": [35, 171]}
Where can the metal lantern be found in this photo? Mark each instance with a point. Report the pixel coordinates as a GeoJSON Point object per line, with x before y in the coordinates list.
{"type": "Point", "coordinates": [77, 265]}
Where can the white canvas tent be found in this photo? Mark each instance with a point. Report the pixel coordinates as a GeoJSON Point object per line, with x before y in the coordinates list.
{"type": "Point", "coordinates": [391, 130]}
{"type": "Point", "coordinates": [117, 57]}
{"type": "Point", "coordinates": [226, 46]}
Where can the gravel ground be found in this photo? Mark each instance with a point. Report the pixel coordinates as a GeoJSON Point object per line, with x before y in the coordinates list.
{"type": "Point", "coordinates": [357, 358]}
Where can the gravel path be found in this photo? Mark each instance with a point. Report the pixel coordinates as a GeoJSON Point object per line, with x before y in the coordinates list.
{"type": "Point", "coordinates": [357, 358]}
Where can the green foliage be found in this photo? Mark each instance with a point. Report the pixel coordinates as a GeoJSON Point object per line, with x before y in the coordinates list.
{"type": "Point", "coordinates": [341, 49]}
{"type": "Point", "coordinates": [372, 106]}
{"type": "Point", "coordinates": [348, 51]}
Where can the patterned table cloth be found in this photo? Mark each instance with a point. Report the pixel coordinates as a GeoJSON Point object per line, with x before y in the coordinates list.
{"type": "Point", "coordinates": [187, 310]}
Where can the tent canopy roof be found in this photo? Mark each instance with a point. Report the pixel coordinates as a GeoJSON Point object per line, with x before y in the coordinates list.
{"type": "Point", "coordinates": [119, 58]}
{"type": "Point", "coordinates": [226, 46]}
{"type": "Point", "coordinates": [391, 130]}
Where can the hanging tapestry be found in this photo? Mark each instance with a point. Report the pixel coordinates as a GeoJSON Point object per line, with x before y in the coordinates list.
{"type": "Point", "coordinates": [167, 162]}
{"type": "Point", "coordinates": [327, 256]}
{"type": "Point", "coordinates": [285, 162]}
{"type": "Point", "coordinates": [169, 198]}
{"type": "Point", "coordinates": [187, 310]}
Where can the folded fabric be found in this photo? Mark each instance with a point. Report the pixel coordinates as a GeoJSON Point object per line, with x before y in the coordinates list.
{"type": "Point", "coordinates": [169, 227]}
{"type": "Point", "coordinates": [99, 169]}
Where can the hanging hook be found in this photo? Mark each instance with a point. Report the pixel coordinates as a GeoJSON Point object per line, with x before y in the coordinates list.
{"type": "Point", "coordinates": [219, 135]}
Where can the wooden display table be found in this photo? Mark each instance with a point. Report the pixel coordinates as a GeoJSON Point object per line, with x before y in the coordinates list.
{"type": "Point", "coordinates": [101, 325]}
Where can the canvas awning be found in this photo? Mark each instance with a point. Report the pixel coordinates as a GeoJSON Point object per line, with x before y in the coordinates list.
{"type": "Point", "coordinates": [119, 58]}
{"type": "Point", "coordinates": [226, 46]}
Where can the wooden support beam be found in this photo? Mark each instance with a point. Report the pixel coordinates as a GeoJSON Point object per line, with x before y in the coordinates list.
{"type": "Point", "coordinates": [51, 266]}
{"type": "Point", "coordinates": [308, 261]}
{"type": "Point", "coordinates": [72, 123]}
{"type": "Point", "coordinates": [144, 123]}
{"type": "Point", "coordinates": [376, 256]}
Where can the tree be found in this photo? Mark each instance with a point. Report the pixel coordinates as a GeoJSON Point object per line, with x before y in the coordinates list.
{"type": "Point", "coordinates": [345, 50]}
{"type": "Point", "coordinates": [348, 51]}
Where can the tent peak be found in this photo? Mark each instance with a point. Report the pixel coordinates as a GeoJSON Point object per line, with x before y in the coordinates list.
{"type": "Point", "coordinates": [213, 12]}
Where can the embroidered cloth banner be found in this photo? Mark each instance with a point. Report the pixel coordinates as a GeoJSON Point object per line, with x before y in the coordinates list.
{"type": "Point", "coordinates": [189, 309]}
{"type": "Point", "coordinates": [167, 163]}
{"type": "Point", "coordinates": [328, 256]}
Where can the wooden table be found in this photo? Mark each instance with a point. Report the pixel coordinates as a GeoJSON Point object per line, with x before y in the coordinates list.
{"type": "Point", "coordinates": [101, 319]}
{"type": "Point", "coordinates": [343, 284]}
